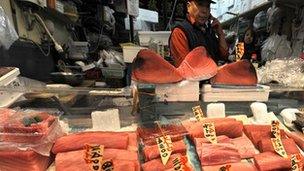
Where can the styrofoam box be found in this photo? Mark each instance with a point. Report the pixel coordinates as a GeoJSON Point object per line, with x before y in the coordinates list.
{"type": "Point", "coordinates": [210, 94]}
{"type": "Point", "coordinates": [145, 37]}
{"type": "Point", "coordinates": [181, 91]}
{"type": "Point", "coordinates": [130, 52]}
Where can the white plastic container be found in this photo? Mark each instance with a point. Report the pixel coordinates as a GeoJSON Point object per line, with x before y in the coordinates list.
{"type": "Point", "coordinates": [106, 120]}
{"type": "Point", "coordinates": [146, 36]}
{"type": "Point", "coordinates": [216, 110]}
{"type": "Point", "coordinates": [259, 111]}
{"type": "Point", "coordinates": [130, 52]}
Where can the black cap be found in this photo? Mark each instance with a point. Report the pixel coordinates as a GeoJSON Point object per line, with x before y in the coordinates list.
{"type": "Point", "coordinates": [198, 1]}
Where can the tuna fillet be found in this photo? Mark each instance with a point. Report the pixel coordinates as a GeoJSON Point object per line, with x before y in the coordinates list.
{"type": "Point", "coordinates": [232, 166]}
{"type": "Point", "coordinates": [244, 146]}
{"type": "Point", "coordinates": [298, 138]}
{"type": "Point", "coordinates": [123, 160]}
{"type": "Point", "coordinates": [223, 126]}
{"type": "Point", "coordinates": [238, 73]}
{"type": "Point", "coordinates": [157, 165]}
{"type": "Point", "coordinates": [197, 65]}
{"type": "Point", "coordinates": [150, 67]}
{"type": "Point", "coordinates": [117, 140]}
{"type": "Point", "coordinates": [152, 152]}
{"type": "Point", "coordinates": [23, 161]}
{"type": "Point", "coordinates": [289, 145]}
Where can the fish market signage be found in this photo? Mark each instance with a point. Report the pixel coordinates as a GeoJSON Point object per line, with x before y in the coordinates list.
{"type": "Point", "coordinates": [198, 113]}
{"type": "Point", "coordinates": [275, 129]}
{"type": "Point", "coordinates": [278, 147]}
{"type": "Point", "coordinates": [209, 132]}
{"type": "Point", "coordinates": [94, 158]}
{"type": "Point", "coordinates": [165, 146]}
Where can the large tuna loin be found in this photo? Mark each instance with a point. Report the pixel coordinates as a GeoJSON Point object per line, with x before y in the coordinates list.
{"type": "Point", "coordinates": [197, 65]}
{"type": "Point", "coordinates": [150, 67]}
{"type": "Point", "coordinates": [240, 73]}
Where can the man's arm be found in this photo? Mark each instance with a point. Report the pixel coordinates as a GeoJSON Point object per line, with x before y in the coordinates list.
{"type": "Point", "coordinates": [223, 47]}
{"type": "Point", "coordinates": [179, 47]}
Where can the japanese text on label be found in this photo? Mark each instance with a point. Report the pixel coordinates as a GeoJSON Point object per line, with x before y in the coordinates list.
{"type": "Point", "coordinates": [198, 113]}
{"type": "Point", "coordinates": [295, 160]}
{"type": "Point", "coordinates": [278, 147]}
{"type": "Point", "coordinates": [180, 164]}
{"type": "Point", "coordinates": [94, 157]}
{"type": "Point", "coordinates": [209, 132]}
{"type": "Point", "coordinates": [275, 129]}
{"type": "Point", "coordinates": [164, 144]}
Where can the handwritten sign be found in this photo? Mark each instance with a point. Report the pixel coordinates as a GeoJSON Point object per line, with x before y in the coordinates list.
{"type": "Point", "coordinates": [198, 113]}
{"type": "Point", "coordinates": [239, 51]}
{"type": "Point", "coordinates": [94, 158]}
{"type": "Point", "coordinates": [275, 129]}
{"type": "Point", "coordinates": [295, 159]}
{"type": "Point", "coordinates": [209, 132]}
{"type": "Point", "coordinates": [181, 164]}
{"type": "Point", "coordinates": [278, 147]}
{"type": "Point", "coordinates": [164, 144]}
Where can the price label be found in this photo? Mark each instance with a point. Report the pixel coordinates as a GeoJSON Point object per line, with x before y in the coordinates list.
{"type": "Point", "coordinates": [94, 158]}
{"type": "Point", "coordinates": [165, 145]}
{"type": "Point", "coordinates": [209, 132]}
{"type": "Point", "coordinates": [225, 168]}
{"type": "Point", "coordinates": [198, 113]}
{"type": "Point", "coordinates": [301, 109]}
{"type": "Point", "coordinates": [278, 147]}
{"type": "Point", "coordinates": [239, 51]}
{"type": "Point", "coordinates": [275, 129]}
{"type": "Point", "coordinates": [181, 164]}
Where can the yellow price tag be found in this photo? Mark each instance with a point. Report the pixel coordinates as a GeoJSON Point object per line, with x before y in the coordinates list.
{"type": "Point", "coordinates": [295, 159]}
{"type": "Point", "coordinates": [275, 129]}
{"type": "Point", "coordinates": [198, 113]}
{"type": "Point", "coordinates": [239, 51]}
{"type": "Point", "coordinates": [165, 145]}
{"type": "Point", "coordinates": [209, 132]}
{"type": "Point", "coordinates": [278, 147]}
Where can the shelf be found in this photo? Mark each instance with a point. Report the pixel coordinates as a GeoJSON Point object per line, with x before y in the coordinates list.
{"type": "Point", "coordinates": [249, 14]}
{"type": "Point", "coordinates": [59, 16]}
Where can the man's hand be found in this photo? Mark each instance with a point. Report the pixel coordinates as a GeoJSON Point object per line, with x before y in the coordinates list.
{"type": "Point", "coordinates": [216, 25]}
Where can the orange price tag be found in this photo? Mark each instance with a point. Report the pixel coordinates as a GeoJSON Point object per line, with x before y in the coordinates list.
{"type": "Point", "coordinates": [93, 156]}
{"type": "Point", "coordinates": [209, 132]}
{"type": "Point", "coordinates": [239, 51]}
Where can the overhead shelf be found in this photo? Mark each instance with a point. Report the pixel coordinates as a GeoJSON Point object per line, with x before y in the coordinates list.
{"type": "Point", "coordinates": [60, 16]}
{"type": "Point", "coordinates": [248, 14]}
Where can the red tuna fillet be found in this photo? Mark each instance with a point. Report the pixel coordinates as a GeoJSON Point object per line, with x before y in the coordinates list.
{"type": "Point", "coordinates": [220, 153]}
{"type": "Point", "coordinates": [133, 141]}
{"type": "Point", "coordinates": [270, 161]}
{"type": "Point", "coordinates": [240, 166]}
{"type": "Point", "coordinates": [198, 65]}
{"type": "Point", "coordinates": [150, 67]}
{"type": "Point", "coordinates": [157, 165]}
{"type": "Point", "coordinates": [258, 132]}
{"type": "Point", "coordinates": [220, 139]}
{"type": "Point", "coordinates": [237, 73]}
{"type": "Point", "coordinates": [223, 126]}
{"type": "Point", "coordinates": [23, 161]}
{"type": "Point", "coordinates": [117, 140]}
{"type": "Point", "coordinates": [148, 134]}
{"type": "Point", "coordinates": [244, 146]}
{"type": "Point", "coordinates": [289, 145]}
{"type": "Point", "coordinates": [74, 160]}
{"type": "Point", "coordinates": [297, 137]}
{"type": "Point", "coordinates": [152, 152]}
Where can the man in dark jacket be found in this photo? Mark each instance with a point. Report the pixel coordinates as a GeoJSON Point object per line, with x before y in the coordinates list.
{"type": "Point", "coordinates": [199, 29]}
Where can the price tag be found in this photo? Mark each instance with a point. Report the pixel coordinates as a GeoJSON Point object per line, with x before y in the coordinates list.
{"type": "Point", "coordinates": [94, 157]}
{"type": "Point", "coordinates": [225, 168]}
{"type": "Point", "coordinates": [301, 109]}
{"type": "Point", "coordinates": [209, 132]}
{"type": "Point", "coordinates": [198, 113]}
{"type": "Point", "coordinates": [181, 164]}
{"type": "Point", "coordinates": [165, 145]}
{"type": "Point", "coordinates": [239, 51]}
{"type": "Point", "coordinates": [278, 147]}
{"type": "Point", "coordinates": [275, 129]}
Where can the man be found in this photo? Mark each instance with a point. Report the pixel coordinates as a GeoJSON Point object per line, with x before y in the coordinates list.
{"type": "Point", "coordinates": [199, 29]}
